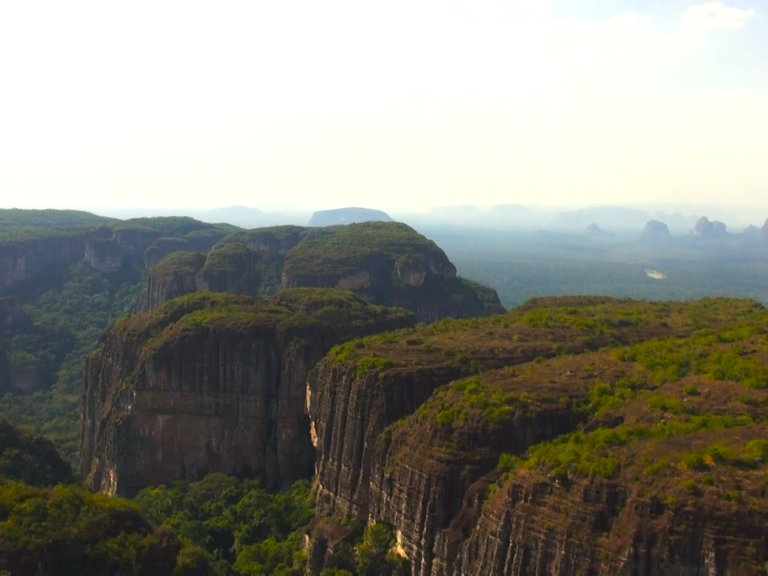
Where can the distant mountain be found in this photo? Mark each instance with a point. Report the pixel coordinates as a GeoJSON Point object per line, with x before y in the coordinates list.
{"type": "Point", "coordinates": [454, 210]}
{"type": "Point", "coordinates": [616, 217]}
{"type": "Point", "coordinates": [595, 230]}
{"type": "Point", "coordinates": [238, 215]}
{"type": "Point", "coordinates": [347, 216]}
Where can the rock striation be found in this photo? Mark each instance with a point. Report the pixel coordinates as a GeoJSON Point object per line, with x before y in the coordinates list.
{"type": "Point", "coordinates": [43, 251]}
{"type": "Point", "coordinates": [489, 448]}
{"type": "Point", "coordinates": [213, 382]}
{"type": "Point", "coordinates": [175, 275]}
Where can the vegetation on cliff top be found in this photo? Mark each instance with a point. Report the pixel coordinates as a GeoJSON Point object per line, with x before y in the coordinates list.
{"type": "Point", "coordinates": [178, 263]}
{"type": "Point", "coordinates": [335, 248]}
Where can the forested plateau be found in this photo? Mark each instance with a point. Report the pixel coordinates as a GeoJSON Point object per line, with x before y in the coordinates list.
{"type": "Point", "coordinates": [337, 401]}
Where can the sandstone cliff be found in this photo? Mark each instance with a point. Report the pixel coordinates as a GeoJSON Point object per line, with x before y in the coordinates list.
{"type": "Point", "coordinates": [229, 267]}
{"type": "Point", "coordinates": [604, 468]}
{"type": "Point", "coordinates": [173, 276]}
{"type": "Point", "coordinates": [22, 260]}
{"type": "Point", "coordinates": [212, 383]}
{"type": "Point", "coordinates": [43, 251]}
{"type": "Point", "coordinates": [388, 263]}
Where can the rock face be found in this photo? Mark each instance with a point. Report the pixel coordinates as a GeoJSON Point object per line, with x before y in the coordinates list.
{"type": "Point", "coordinates": [212, 383]}
{"type": "Point", "coordinates": [232, 267]}
{"type": "Point", "coordinates": [104, 248]}
{"type": "Point", "coordinates": [347, 216]}
{"type": "Point", "coordinates": [406, 437]}
{"type": "Point", "coordinates": [386, 263]}
{"type": "Point", "coordinates": [655, 230]}
{"type": "Point", "coordinates": [706, 229]}
{"type": "Point", "coordinates": [20, 261]}
{"type": "Point", "coordinates": [764, 231]}
{"type": "Point", "coordinates": [162, 247]}
{"type": "Point", "coordinates": [104, 255]}
{"type": "Point", "coordinates": [174, 276]}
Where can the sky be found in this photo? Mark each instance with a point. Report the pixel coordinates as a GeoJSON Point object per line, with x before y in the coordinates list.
{"type": "Point", "coordinates": [393, 105]}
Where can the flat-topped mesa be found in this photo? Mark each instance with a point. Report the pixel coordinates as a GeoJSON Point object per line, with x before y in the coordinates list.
{"type": "Point", "coordinates": [212, 383]}
{"type": "Point", "coordinates": [347, 216]}
{"type": "Point", "coordinates": [388, 263]}
{"type": "Point", "coordinates": [415, 473]}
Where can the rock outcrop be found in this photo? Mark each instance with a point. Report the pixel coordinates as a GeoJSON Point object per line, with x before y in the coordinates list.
{"type": "Point", "coordinates": [105, 255]}
{"type": "Point", "coordinates": [23, 260]}
{"type": "Point", "coordinates": [655, 230]}
{"type": "Point", "coordinates": [42, 252]}
{"type": "Point", "coordinates": [764, 231]}
{"type": "Point", "coordinates": [347, 216]}
{"type": "Point", "coordinates": [710, 230]}
{"type": "Point", "coordinates": [163, 247]}
{"type": "Point", "coordinates": [212, 382]}
{"type": "Point", "coordinates": [387, 263]}
{"type": "Point", "coordinates": [175, 275]}
{"type": "Point", "coordinates": [467, 471]}
{"type": "Point", "coordinates": [230, 267]}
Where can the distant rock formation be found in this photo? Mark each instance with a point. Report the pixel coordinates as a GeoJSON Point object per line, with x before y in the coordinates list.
{"type": "Point", "coordinates": [594, 230]}
{"type": "Point", "coordinates": [764, 231]}
{"type": "Point", "coordinates": [751, 230]}
{"type": "Point", "coordinates": [706, 229]}
{"type": "Point", "coordinates": [655, 230]}
{"type": "Point", "coordinates": [347, 216]}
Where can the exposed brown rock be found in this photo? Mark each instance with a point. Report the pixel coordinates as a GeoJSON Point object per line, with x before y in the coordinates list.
{"type": "Point", "coordinates": [210, 383]}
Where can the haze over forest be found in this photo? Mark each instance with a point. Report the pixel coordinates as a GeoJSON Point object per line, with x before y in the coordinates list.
{"type": "Point", "coordinates": [417, 288]}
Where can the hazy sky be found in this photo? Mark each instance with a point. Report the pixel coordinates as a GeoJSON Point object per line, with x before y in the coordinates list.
{"type": "Point", "coordinates": [388, 104]}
